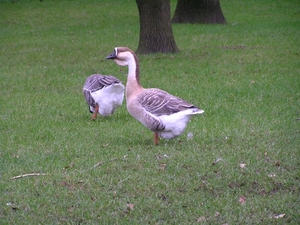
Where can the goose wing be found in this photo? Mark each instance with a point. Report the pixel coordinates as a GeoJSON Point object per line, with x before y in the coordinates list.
{"type": "Point", "coordinates": [158, 102]}
{"type": "Point", "coordinates": [96, 82]}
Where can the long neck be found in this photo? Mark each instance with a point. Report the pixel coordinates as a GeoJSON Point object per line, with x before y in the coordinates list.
{"type": "Point", "coordinates": [133, 79]}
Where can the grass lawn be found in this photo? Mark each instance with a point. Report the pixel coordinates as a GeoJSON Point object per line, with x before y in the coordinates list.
{"type": "Point", "coordinates": [242, 164]}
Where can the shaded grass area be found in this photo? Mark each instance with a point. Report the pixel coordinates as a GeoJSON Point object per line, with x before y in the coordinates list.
{"type": "Point", "coordinates": [245, 75]}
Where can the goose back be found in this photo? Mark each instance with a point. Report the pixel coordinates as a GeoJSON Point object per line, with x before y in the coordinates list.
{"type": "Point", "coordinates": [105, 90]}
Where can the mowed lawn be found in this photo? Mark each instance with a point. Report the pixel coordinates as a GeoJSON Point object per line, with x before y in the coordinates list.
{"type": "Point", "coordinates": [236, 164]}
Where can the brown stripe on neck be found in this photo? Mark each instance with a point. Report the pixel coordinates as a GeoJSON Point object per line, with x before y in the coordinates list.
{"type": "Point", "coordinates": [137, 68]}
{"type": "Point", "coordinates": [137, 64]}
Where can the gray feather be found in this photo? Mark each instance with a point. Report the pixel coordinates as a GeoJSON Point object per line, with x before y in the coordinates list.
{"type": "Point", "coordinates": [159, 102]}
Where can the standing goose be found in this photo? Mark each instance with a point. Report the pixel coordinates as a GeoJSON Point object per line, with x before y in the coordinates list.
{"type": "Point", "coordinates": [103, 94]}
{"type": "Point", "coordinates": [166, 115]}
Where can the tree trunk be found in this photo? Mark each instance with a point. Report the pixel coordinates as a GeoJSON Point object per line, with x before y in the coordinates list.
{"type": "Point", "coordinates": [156, 34]}
{"type": "Point", "coordinates": [199, 11]}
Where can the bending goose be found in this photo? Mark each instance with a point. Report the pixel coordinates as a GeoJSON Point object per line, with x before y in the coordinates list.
{"type": "Point", "coordinates": [103, 94]}
{"type": "Point", "coordinates": [164, 114]}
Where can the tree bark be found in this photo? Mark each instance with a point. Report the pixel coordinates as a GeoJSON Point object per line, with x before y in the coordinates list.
{"type": "Point", "coordinates": [156, 34]}
{"type": "Point", "coordinates": [199, 11]}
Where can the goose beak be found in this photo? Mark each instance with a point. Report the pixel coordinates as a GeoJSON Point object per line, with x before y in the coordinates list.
{"type": "Point", "coordinates": [111, 56]}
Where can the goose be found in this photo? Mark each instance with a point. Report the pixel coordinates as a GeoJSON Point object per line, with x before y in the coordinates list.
{"type": "Point", "coordinates": [164, 114]}
{"type": "Point", "coordinates": [103, 94]}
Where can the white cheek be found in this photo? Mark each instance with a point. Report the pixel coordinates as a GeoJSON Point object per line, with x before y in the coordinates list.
{"type": "Point", "coordinates": [121, 63]}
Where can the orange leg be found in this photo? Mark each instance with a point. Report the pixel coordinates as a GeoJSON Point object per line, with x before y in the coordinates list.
{"type": "Point", "coordinates": [95, 112]}
{"type": "Point", "coordinates": [156, 138]}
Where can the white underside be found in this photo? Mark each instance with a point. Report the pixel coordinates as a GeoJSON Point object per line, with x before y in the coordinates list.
{"type": "Point", "coordinates": [176, 123]}
{"type": "Point", "coordinates": [108, 98]}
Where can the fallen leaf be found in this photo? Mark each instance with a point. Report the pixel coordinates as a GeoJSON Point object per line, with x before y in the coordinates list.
{"type": "Point", "coordinates": [216, 161]}
{"type": "Point", "coordinates": [242, 165]}
{"type": "Point", "coordinates": [278, 216]}
{"type": "Point", "coordinates": [130, 206]}
{"type": "Point", "coordinates": [97, 164]}
{"type": "Point", "coordinates": [71, 209]}
{"type": "Point", "coordinates": [202, 218]}
{"type": "Point", "coordinates": [242, 199]}
{"type": "Point", "coordinates": [163, 166]}
{"type": "Point", "coordinates": [158, 157]}
{"type": "Point", "coordinates": [16, 155]}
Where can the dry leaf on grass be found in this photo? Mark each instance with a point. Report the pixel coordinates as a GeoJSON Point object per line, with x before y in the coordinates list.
{"type": "Point", "coordinates": [242, 199]}
{"type": "Point", "coordinates": [130, 206]}
{"type": "Point", "coordinates": [266, 153]}
{"type": "Point", "coordinates": [71, 209]}
{"type": "Point", "coordinates": [158, 157]}
{"type": "Point", "coordinates": [216, 161]}
{"type": "Point", "coordinates": [242, 165]}
{"type": "Point", "coordinates": [278, 216]}
{"type": "Point", "coordinates": [202, 218]}
{"type": "Point", "coordinates": [163, 166]}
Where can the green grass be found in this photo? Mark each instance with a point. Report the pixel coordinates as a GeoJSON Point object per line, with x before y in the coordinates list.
{"type": "Point", "coordinates": [245, 75]}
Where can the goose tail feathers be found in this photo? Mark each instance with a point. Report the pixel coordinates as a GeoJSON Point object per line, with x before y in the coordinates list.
{"type": "Point", "coordinates": [195, 111]}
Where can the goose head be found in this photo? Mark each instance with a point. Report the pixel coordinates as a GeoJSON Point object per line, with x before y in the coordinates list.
{"type": "Point", "coordinates": [122, 56]}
